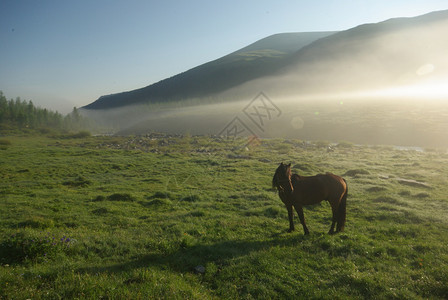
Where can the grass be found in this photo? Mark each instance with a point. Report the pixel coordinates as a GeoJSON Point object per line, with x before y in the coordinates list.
{"type": "Point", "coordinates": [195, 217]}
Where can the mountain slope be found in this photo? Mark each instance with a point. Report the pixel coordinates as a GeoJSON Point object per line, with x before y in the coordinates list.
{"type": "Point", "coordinates": [371, 56]}
{"type": "Point", "coordinates": [256, 60]}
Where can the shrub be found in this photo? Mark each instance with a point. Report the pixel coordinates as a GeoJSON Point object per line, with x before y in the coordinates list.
{"type": "Point", "coordinates": [77, 182]}
{"type": "Point", "coordinates": [161, 195]}
{"type": "Point", "coordinates": [81, 134]}
{"type": "Point", "coordinates": [77, 135]}
{"type": "Point", "coordinates": [191, 198]}
{"type": "Point", "coordinates": [101, 211]}
{"type": "Point", "coordinates": [404, 193]}
{"type": "Point", "coordinates": [197, 213]}
{"type": "Point", "coordinates": [23, 246]}
{"type": "Point", "coordinates": [422, 195]}
{"type": "Point", "coordinates": [273, 212]}
{"type": "Point", "coordinates": [389, 200]}
{"type": "Point", "coordinates": [159, 202]}
{"type": "Point", "coordinates": [121, 197]}
{"type": "Point", "coordinates": [99, 198]}
{"type": "Point", "coordinates": [37, 222]}
{"type": "Point", "coordinates": [356, 172]}
{"type": "Point", "coordinates": [322, 144]}
{"type": "Point", "coordinates": [4, 144]}
{"type": "Point", "coordinates": [374, 189]}
{"type": "Point", "coordinates": [345, 144]}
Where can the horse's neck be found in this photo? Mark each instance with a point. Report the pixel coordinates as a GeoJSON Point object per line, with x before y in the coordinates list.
{"type": "Point", "coordinates": [297, 177]}
{"type": "Point", "coordinates": [287, 187]}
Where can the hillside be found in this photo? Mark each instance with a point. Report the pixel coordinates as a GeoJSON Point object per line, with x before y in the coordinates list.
{"type": "Point", "coordinates": [377, 83]}
{"type": "Point", "coordinates": [256, 60]}
{"type": "Point", "coordinates": [369, 56]}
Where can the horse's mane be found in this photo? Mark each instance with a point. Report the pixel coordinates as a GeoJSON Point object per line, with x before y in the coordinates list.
{"type": "Point", "coordinates": [275, 183]}
{"type": "Point", "coordinates": [297, 177]}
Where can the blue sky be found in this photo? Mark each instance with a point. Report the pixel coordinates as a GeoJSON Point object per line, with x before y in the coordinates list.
{"type": "Point", "coordinates": [62, 54]}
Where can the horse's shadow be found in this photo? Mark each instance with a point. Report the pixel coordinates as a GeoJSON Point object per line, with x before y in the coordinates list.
{"type": "Point", "coordinates": [185, 259]}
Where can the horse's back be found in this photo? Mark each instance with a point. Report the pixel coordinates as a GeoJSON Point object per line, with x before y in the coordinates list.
{"type": "Point", "coordinates": [321, 185]}
{"type": "Point", "coordinates": [337, 183]}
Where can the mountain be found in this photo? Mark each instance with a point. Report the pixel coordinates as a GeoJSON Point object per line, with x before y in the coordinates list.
{"type": "Point", "coordinates": [398, 51]}
{"type": "Point", "coordinates": [256, 60]}
{"type": "Point", "coordinates": [371, 84]}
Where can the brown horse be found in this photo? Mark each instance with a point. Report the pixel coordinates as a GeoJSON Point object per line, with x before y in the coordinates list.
{"type": "Point", "coordinates": [295, 190]}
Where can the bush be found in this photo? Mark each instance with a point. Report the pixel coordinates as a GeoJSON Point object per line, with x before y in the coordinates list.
{"type": "Point", "coordinates": [79, 181]}
{"type": "Point", "coordinates": [345, 144]}
{"type": "Point", "coordinates": [322, 144]}
{"type": "Point", "coordinates": [37, 222]}
{"type": "Point", "coordinates": [159, 202]}
{"type": "Point", "coordinates": [274, 212]}
{"type": "Point", "coordinates": [99, 198]}
{"type": "Point", "coordinates": [23, 246]}
{"type": "Point", "coordinates": [356, 172]}
{"type": "Point", "coordinates": [191, 198]}
{"type": "Point", "coordinates": [121, 197]}
{"type": "Point", "coordinates": [48, 131]}
{"type": "Point", "coordinates": [197, 213]}
{"type": "Point", "coordinates": [4, 144]}
{"type": "Point", "coordinates": [77, 135]}
{"type": "Point", "coordinates": [161, 195]}
{"type": "Point", "coordinates": [81, 134]}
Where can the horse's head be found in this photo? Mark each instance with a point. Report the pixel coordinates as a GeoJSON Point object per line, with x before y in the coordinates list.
{"type": "Point", "coordinates": [282, 178]}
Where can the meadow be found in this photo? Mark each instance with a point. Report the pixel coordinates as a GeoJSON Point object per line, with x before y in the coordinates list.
{"type": "Point", "coordinates": [195, 217]}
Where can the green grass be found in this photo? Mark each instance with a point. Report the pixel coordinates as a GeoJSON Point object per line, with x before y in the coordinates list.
{"type": "Point", "coordinates": [133, 217]}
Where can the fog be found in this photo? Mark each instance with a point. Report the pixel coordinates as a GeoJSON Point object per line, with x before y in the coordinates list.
{"type": "Point", "coordinates": [372, 85]}
{"type": "Point", "coordinates": [386, 121]}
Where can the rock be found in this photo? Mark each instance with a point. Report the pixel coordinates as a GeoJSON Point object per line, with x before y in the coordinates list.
{"type": "Point", "coordinates": [414, 183]}
{"type": "Point", "coordinates": [236, 156]}
{"type": "Point", "coordinates": [356, 172]}
{"type": "Point", "coordinates": [265, 160]}
{"type": "Point", "coordinates": [200, 269]}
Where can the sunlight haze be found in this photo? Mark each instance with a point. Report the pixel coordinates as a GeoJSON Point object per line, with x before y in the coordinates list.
{"type": "Point", "coordinates": [63, 54]}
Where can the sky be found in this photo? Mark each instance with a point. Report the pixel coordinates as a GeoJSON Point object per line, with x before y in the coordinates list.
{"type": "Point", "coordinates": [65, 54]}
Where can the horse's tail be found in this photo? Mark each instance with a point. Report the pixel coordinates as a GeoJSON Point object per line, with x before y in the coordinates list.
{"type": "Point", "coordinates": [342, 210]}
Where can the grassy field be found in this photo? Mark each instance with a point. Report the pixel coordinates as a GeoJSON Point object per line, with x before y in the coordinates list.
{"type": "Point", "coordinates": [196, 217]}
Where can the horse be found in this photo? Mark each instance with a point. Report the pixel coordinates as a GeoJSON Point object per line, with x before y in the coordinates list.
{"type": "Point", "coordinates": [297, 191]}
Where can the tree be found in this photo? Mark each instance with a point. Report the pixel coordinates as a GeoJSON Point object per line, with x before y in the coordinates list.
{"type": "Point", "coordinates": [20, 113]}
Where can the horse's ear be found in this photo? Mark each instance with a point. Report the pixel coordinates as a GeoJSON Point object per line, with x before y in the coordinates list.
{"type": "Point", "coordinates": [289, 165]}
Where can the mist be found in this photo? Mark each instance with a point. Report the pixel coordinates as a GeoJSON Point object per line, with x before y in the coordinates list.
{"type": "Point", "coordinates": [372, 121]}
{"type": "Point", "coordinates": [379, 83]}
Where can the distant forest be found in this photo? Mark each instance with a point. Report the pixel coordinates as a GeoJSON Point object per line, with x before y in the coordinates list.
{"type": "Point", "coordinates": [17, 114]}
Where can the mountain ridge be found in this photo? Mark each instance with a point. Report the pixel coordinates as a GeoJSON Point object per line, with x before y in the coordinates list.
{"type": "Point", "coordinates": [367, 56]}
{"type": "Point", "coordinates": [247, 63]}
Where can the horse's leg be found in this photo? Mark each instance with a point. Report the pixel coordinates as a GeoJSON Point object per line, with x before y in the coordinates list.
{"type": "Point", "coordinates": [333, 222]}
{"type": "Point", "coordinates": [291, 218]}
{"type": "Point", "coordinates": [299, 210]}
{"type": "Point", "coordinates": [334, 210]}
{"type": "Point", "coordinates": [288, 205]}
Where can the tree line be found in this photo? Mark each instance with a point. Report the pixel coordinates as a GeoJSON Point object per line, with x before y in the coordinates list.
{"type": "Point", "coordinates": [22, 114]}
